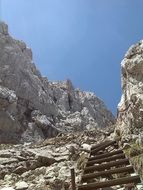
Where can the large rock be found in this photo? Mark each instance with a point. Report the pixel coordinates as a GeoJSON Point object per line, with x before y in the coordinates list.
{"type": "Point", "coordinates": [130, 109]}
{"type": "Point", "coordinates": [3, 28]}
{"type": "Point", "coordinates": [22, 185]}
{"type": "Point", "coordinates": [78, 109]}
{"type": "Point", "coordinates": [9, 125]}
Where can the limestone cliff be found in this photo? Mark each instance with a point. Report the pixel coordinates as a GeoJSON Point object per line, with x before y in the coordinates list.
{"type": "Point", "coordinates": [129, 127]}
{"type": "Point", "coordinates": [130, 108]}
{"type": "Point", "coordinates": [33, 108]}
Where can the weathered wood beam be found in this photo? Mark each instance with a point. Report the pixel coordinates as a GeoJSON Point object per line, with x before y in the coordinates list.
{"type": "Point", "coordinates": [95, 150]}
{"type": "Point", "coordinates": [73, 185]}
{"type": "Point", "coordinates": [108, 159]}
{"type": "Point", "coordinates": [106, 166]}
{"type": "Point", "coordinates": [128, 169]}
{"type": "Point", "coordinates": [105, 155]}
{"type": "Point", "coordinates": [119, 181]}
{"type": "Point", "coordinates": [99, 144]}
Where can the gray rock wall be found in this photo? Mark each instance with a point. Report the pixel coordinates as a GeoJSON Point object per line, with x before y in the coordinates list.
{"type": "Point", "coordinates": [130, 108]}
{"type": "Point", "coordinates": [42, 108]}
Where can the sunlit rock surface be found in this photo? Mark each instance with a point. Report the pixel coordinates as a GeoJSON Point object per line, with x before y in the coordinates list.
{"type": "Point", "coordinates": [130, 108]}
{"type": "Point", "coordinates": [129, 126]}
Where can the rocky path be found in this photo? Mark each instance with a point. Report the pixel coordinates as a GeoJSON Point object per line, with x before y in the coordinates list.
{"type": "Point", "coordinates": [46, 165]}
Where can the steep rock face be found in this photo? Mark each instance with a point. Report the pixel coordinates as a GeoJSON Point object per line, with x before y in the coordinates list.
{"type": "Point", "coordinates": [9, 126]}
{"type": "Point", "coordinates": [77, 109]}
{"type": "Point", "coordinates": [41, 108]}
{"type": "Point", "coordinates": [18, 72]}
{"type": "Point", "coordinates": [130, 109]}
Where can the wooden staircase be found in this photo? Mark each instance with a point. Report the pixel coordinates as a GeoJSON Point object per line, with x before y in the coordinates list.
{"type": "Point", "coordinates": [108, 166]}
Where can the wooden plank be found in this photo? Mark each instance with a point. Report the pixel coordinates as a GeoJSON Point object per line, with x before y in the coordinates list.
{"type": "Point", "coordinates": [73, 179]}
{"type": "Point", "coordinates": [105, 155]}
{"type": "Point", "coordinates": [118, 181]}
{"type": "Point", "coordinates": [108, 159]}
{"type": "Point", "coordinates": [99, 144]}
{"type": "Point", "coordinates": [128, 169]}
{"type": "Point", "coordinates": [106, 166]}
{"type": "Point", "coordinates": [94, 151]}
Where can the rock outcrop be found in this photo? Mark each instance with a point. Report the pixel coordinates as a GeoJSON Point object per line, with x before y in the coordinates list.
{"type": "Point", "coordinates": [40, 108]}
{"type": "Point", "coordinates": [9, 126]}
{"type": "Point", "coordinates": [130, 108]}
{"type": "Point", "coordinates": [129, 127]}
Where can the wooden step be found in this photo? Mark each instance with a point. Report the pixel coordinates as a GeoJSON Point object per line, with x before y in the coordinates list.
{"type": "Point", "coordinates": [106, 155]}
{"type": "Point", "coordinates": [108, 159]}
{"type": "Point", "coordinates": [95, 150]}
{"type": "Point", "coordinates": [109, 183]}
{"type": "Point", "coordinates": [128, 169]}
{"type": "Point", "coordinates": [100, 144]}
{"type": "Point", "coordinates": [107, 165]}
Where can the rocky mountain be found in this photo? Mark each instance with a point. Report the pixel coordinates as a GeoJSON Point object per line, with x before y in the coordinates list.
{"type": "Point", "coordinates": [33, 108]}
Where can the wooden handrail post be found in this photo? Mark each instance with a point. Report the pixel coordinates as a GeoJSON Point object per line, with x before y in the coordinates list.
{"type": "Point", "coordinates": [73, 179]}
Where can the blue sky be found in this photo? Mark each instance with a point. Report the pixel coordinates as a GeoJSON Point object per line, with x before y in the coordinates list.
{"type": "Point", "coordinates": [82, 40]}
